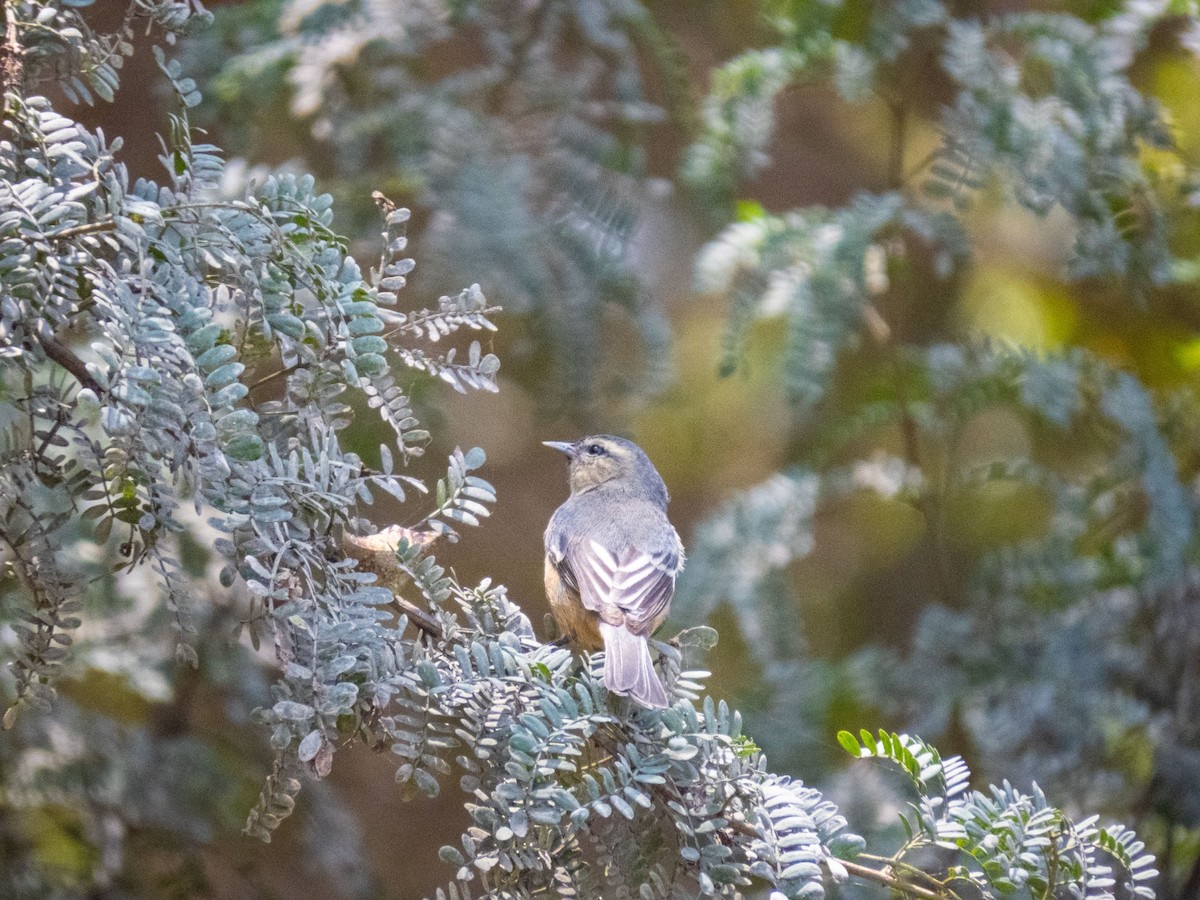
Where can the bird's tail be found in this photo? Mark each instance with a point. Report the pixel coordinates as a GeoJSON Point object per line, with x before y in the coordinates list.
{"type": "Point", "coordinates": [628, 668]}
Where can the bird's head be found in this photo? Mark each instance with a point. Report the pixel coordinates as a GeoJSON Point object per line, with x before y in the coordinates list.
{"type": "Point", "coordinates": [604, 461]}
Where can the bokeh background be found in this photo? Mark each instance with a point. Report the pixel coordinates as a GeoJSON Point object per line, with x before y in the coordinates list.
{"type": "Point", "coordinates": [615, 334]}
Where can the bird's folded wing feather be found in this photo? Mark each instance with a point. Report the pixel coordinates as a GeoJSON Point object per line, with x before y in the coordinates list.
{"type": "Point", "coordinates": [629, 586]}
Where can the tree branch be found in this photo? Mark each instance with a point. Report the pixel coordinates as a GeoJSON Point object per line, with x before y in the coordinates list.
{"type": "Point", "coordinates": [904, 886]}
{"type": "Point", "coordinates": [418, 617]}
{"type": "Point", "coordinates": [65, 357]}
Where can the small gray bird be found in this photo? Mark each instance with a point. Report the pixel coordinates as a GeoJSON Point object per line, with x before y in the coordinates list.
{"type": "Point", "coordinates": [611, 561]}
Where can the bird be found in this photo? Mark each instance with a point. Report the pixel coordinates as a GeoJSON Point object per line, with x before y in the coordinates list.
{"type": "Point", "coordinates": [611, 561]}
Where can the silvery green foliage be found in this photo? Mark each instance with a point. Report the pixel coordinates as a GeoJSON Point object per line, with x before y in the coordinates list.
{"type": "Point", "coordinates": [739, 119]}
{"type": "Point", "coordinates": [1084, 630]}
{"type": "Point", "coordinates": [59, 44]}
{"type": "Point", "coordinates": [140, 327]}
{"type": "Point", "coordinates": [517, 126]}
{"type": "Point", "coordinates": [820, 269]}
{"type": "Point", "coordinates": [739, 556]}
{"type": "Point", "coordinates": [574, 792]}
{"type": "Point", "coordinates": [1073, 146]}
{"type": "Point", "coordinates": [1096, 605]}
{"type": "Point", "coordinates": [1006, 842]}
{"type": "Point", "coordinates": [1100, 611]}
{"type": "Point", "coordinates": [577, 792]}
{"type": "Point", "coordinates": [112, 789]}
{"type": "Point", "coordinates": [1071, 143]}
{"type": "Point", "coordinates": [1041, 105]}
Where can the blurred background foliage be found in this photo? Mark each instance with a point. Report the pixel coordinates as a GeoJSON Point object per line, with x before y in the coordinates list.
{"type": "Point", "coordinates": [903, 299]}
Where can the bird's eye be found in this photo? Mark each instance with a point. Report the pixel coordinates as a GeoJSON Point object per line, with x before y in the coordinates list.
{"type": "Point", "coordinates": [595, 449]}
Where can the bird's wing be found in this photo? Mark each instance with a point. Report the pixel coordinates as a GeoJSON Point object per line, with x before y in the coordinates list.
{"type": "Point", "coordinates": [628, 586]}
{"type": "Point", "coordinates": [558, 556]}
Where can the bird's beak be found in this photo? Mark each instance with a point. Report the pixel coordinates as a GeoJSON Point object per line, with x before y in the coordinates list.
{"type": "Point", "coordinates": [561, 447]}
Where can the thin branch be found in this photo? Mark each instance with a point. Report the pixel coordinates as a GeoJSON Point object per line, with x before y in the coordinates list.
{"type": "Point", "coordinates": [910, 435]}
{"type": "Point", "coordinates": [866, 873]}
{"type": "Point", "coordinates": [278, 373]}
{"type": "Point", "coordinates": [48, 439]}
{"type": "Point", "coordinates": [78, 230]}
{"type": "Point", "coordinates": [65, 357]}
{"type": "Point", "coordinates": [419, 617]}
{"type": "Point", "coordinates": [895, 863]}
{"type": "Point", "coordinates": [881, 333]}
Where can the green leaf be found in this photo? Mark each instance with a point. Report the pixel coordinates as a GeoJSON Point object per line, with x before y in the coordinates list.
{"type": "Point", "coordinates": [850, 743]}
